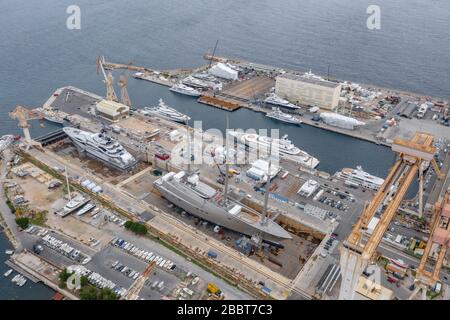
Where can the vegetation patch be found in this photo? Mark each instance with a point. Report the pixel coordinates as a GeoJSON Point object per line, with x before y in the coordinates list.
{"type": "Point", "coordinates": [92, 293]}
{"type": "Point", "coordinates": [23, 222]}
{"type": "Point", "coordinates": [39, 218]}
{"type": "Point", "coordinates": [8, 201]}
{"type": "Point", "coordinates": [87, 291]}
{"type": "Point", "coordinates": [63, 276]}
{"type": "Point", "coordinates": [136, 227]}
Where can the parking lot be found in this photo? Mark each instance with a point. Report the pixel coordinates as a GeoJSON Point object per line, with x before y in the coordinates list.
{"type": "Point", "coordinates": [123, 268]}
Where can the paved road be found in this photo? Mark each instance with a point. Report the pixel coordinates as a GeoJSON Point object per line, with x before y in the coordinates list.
{"type": "Point", "coordinates": [8, 216]}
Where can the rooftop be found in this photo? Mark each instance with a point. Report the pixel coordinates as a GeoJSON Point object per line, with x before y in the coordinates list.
{"type": "Point", "coordinates": [112, 108]}
{"type": "Point", "coordinates": [323, 83]}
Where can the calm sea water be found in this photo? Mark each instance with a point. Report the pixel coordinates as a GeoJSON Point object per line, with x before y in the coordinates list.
{"type": "Point", "coordinates": [410, 52]}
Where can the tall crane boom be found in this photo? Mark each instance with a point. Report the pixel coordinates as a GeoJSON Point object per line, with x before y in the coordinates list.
{"type": "Point", "coordinates": [124, 97]}
{"type": "Point", "coordinates": [108, 80]}
{"type": "Point", "coordinates": [23, 115]}
{"type": "Point", "coordinates": [438, 242]}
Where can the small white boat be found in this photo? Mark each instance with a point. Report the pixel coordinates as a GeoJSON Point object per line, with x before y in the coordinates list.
{"type": "Point", "coordinates": [15, 278]}
{"type": "Point", "coordinates": [9, 252]}
{"type": "Point", "coordinates": [22, 282]}
{"type": "Point", "coordinates": [7, 273]}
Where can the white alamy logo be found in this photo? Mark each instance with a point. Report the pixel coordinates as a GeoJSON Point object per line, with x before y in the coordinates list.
{"type": "Point", "coordinates": [73, 21]}
{"type": "Point", "coordinates": [74, 282]}
{"type": "Point", "coordinates": [211, 147]}
{"type": "Point", "coordinates": [374, 20]}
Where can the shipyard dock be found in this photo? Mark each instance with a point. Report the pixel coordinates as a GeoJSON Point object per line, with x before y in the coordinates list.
{"type": "Point", "coordinates": [295, 196]}
{"type": "Point", "coordinates": [381, 109]}
{"type": "Point", "coordinates": [309, 221]}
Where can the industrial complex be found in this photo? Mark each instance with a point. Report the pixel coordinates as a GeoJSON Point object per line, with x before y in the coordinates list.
{"type": "Point", "coordinates": [142, 205]}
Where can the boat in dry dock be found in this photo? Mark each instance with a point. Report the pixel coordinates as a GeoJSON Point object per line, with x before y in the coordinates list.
{"type": "Point", "coordinates": [359, 178]}
{"type": "Point", "coordinates": [101, 147]}
{"type": "Point", "coordinates": [186, 191]}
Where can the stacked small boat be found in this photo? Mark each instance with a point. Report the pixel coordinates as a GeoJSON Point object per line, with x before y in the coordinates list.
{"type": "Point", "coordinates": [19, 280]}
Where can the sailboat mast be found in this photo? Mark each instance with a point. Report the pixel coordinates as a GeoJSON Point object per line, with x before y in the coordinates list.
{"type": "Point", "coordinates": [227, 166]}
{"type": "Point", "coordinates": [67, 182]}
{"type": "Point", "coordinates": [266, 195]}
{"type": "Point", "coordinates": [188, 146]}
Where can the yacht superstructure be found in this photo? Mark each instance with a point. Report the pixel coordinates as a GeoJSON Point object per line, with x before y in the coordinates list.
{"type": "Point", "coordinates": [283, 147]}
{"type": "Point", "coordinates": [275, 100]}
{"type": "Point", "coordinates": [186, 90]}
{"type": "Point", "coordinates": [358, 177]}
{"type": "Point", "coordinates": [285, 117]}
{"type": "Point", "coordinates": [162, 110]}
{"type": "Point", "coordinates": [101, 147]}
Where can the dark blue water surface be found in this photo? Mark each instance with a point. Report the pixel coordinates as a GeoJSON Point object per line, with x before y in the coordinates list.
{"type": "Point", "coordinates": [409, 52]}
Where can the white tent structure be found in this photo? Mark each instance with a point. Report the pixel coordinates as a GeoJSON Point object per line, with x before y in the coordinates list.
{"type": "Point", "coordinates": [338, 120]}
{"type": "Point", "coordinates": [223, 71]}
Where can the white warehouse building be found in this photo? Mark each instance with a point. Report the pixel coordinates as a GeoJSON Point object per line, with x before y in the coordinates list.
{"type": "Point", "coordinates": [308, 91]}
{"type": "Point", "coordinates": [111, 110]}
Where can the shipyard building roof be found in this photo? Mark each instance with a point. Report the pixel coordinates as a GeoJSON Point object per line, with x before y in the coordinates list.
{"type": "Point", "coordinates": [323, 83]}
{"type": "Point", "coordinates": [112, 108]}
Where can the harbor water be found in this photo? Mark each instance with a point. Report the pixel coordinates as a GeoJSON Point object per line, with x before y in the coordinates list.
{"type": "Point", "coordinates": [9, 290]}
{"type": "Point", "coordinates": [39, 54]}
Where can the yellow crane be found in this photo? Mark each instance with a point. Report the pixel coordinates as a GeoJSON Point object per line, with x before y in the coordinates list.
{"type": "Point", "coordinates": [355, 254]}
{"type": "Point", "coordinates": [23, 115]}
{"type": "Point", "coordinates": [439, 241]}
{"type": "Point", "coordinates": [138, 284]}
{"type": "Point", "coordinates": [108, 79]}
{"type": "Point", "coordinates": [124, 97]}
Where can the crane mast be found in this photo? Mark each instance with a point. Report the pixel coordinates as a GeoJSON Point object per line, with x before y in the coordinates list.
{"type": "Point", "coordinates": [438, 242]}
{"type": "Point", "coordinates": [108, 80]}
{"type": "Point", "coordinates": [23, 115]}
{"type": "Point", "coordinates": [356, 255]}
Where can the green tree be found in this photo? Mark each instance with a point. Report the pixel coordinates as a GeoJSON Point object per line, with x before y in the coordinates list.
{"type": "Point", "coordinates": [84, 281]}
{"type": "Point", "coordinates": [136, 227]}
{"type": "Point", "coordinates": [88, 293]}
{"type": "Point", "coordinates": [23, 222]}
{"type": "Point", "coordinates": [107, 294]}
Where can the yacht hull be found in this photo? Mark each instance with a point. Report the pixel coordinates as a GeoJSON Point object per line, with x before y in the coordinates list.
{"type": "Point", "coordinates": [183, 198]}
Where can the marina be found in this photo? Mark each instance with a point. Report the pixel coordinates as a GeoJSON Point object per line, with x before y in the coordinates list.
{"type": "Point", "coordinates": [293, 205]}
{"type": "Point", "coordinates": [255, 207]}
